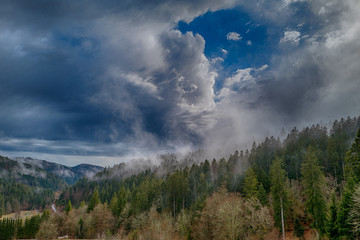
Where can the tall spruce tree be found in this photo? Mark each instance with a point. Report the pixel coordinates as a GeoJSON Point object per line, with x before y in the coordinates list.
{"type": "Point", "coordinates": [251, 184]}
{"type": "Point", "coordinates": [331, 226]}
{"type": "Point", "coordinates": [2, 205]}
{"type": "Point", "coordinates": [122, 199]}
{"type": "Point", "coordinates": [279, 193]}
{"type": "Point", "coordinates": [354, 216]}
{"type": "Point", "coordinates": [352, 171]}
{"type": "Point", "coordinates": [343, 224]}
{"type": "Point", "coordinates": [68, 207]}
{"type": "Point", "coordinates": [114, 205]}
{"type": "Point", "coordinates": [352, 159]}
{"type": "Point", "coordinates": [313, 180]}
{"type": "Point", "coordinates": [93, 201]}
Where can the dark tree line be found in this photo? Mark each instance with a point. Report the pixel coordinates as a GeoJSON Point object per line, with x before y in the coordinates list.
{"type": "Point", "coordinates": [15, 197]}
{"type": "Point", "coordinates": [19, 229]}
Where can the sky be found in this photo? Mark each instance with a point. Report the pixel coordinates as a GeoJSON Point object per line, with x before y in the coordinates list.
{"type": "Point", "coordinates": [104, 82]}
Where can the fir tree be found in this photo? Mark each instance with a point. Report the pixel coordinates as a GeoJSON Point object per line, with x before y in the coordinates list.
{"type": "Point", "coordinates": [351, 175]}
{"type": "Point", "coordinates": [343, 224]}
{"type": "Point", "coordinates": [332, 228]}
{"type": "Point", "coordinates": [114, 205]}
{"type": "Point", "coordinates": [352, 159]}
{"type": "Point", "coordinates": [354, 217]}
{"type": "Point", "coordinates": [262, 195]}
{"type": "Point", "coordinates": [93, 201]}
{"type": "Point", "coordinates": [251, 184]}
{"type": "Point", "coordinates": [80, 230]}
{"type": "Point", "coordinates": [122, 199]}
{"type": "Point", "coordinates": [313, 181]}
{"type": "Point", "coordinates": [2, 205]}
{"type": "Point", "coordinates": [68, 207]}
{"type": "Point", "coordinates": [279, 193]}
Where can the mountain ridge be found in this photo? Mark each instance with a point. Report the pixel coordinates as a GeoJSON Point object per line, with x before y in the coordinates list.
{"type": "Point", "coordinates": [31, 167]}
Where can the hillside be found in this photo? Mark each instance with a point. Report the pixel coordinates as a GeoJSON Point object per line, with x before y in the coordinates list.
{"type": "Point", "coordinates": [27, 183]}
{"type": "Point", "coordinates": [311, 176]}
{"type": "Point", "coordinates": [313, 173]}
{"type": "Point", "coordinates": [27, 169]}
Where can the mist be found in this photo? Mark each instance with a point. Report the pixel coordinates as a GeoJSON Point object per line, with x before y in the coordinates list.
{"type": "Point", "coordinates": [106, 85]}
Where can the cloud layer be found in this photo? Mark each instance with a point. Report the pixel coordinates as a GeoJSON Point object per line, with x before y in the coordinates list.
{"type": "Point", "coordinates": [118, 78]}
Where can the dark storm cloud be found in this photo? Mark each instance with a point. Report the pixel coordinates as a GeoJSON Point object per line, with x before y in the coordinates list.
{"type": "Point", "coordinates": [169, 102]}
{"type": "Point", "coordinates": [42, 87]}
{"type": "Point", "coordinates": [115, 78]}
{"type": "Point", "coordinates": [292, 86]}
{"type": "Point", "coordinates": [94, 71]}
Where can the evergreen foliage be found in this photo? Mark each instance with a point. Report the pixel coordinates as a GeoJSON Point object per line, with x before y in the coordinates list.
{"type": "Point", "coordinates": [299, 229]}
{"type": "Point", "coordinates": [202, 200]}
{"type": "Point", "coordinates": [343, 225]}
{"type": "Point", "coordinates": [332, 228]}
{"type": "Point", "coordinates": [313, 180]}
{"type": "Point", "coordinates": [68, 207]}
{"type": "Point", "coordinates": [17, 229]}
{"type": "Point", "coordinates": [279, 191]}
{"type": "Point", "coordinates": [352, 160]}
{"type": "Point", "coordinates": [251, 184]}
{"type": "Point", "coordinates": [354, 217]}
{"type": "Point", "coordinates": [93, 201]}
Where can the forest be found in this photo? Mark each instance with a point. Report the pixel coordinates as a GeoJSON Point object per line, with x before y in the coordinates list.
{"type": "Point", "coordinates": [306, 185]}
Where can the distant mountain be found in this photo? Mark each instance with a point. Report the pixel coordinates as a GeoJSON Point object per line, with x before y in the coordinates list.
{"type": "Point", "coordinates": [48, 174]}
{"type": "Point", "coordinates": [27, 183]}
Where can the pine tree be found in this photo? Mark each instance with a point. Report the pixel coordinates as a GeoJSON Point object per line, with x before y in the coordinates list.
{"type": "Point", "coordinates": [2, 205]}
{"type": "Point", "coordinates": [68, 207]}
{"type": "Point", "coordinates": [45, 215]}
{"type": "Point", "coordinates": [354, 217]}
{"type": "Point", "coordinates": [80, 230]}
{"type": "Point", "coordinates": [313, 181]}
{"type": "Point", "coordinates": [352, 159]}
{"type": "Point", "coordinates": [114, 205]}
{"type": "Point", "coordinates": [334, 159]}
{"type": "Point", "coordinates": [122, 199]}
{"type": "Point", "coordinates": [251, 184]}
{"type": "Point", "coordinates": [351, 175]}
{"type": "Point", "coordinates": [279, 193]}
{"type": "Point", "coordinates": [343, 224]}
{"type": "Point", "coordinates": [93, 201]}
{"type": "Point", "coordinates": [262, 195]}
{"type": "Point", "coordinates": [331, 228]}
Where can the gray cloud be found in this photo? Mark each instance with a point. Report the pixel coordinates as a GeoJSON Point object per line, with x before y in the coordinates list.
{"type": "Point", "coordinates": [117, 73]}
{"type": "Point", "coordinates": [318, 81]}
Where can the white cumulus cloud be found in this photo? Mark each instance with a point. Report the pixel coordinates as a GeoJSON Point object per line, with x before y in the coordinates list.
{"type": "Point", "coordinates": [243, 76]}
{"type": "Point", "coordinates": [233, 36]}
{"type": "Point", "coordinates": [291, 37]}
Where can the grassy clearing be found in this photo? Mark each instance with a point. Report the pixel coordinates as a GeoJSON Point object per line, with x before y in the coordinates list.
{"type": "Point", "coordinates": [22, 214]}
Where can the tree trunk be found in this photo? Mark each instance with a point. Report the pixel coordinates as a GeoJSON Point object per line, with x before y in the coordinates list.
{"type": "Point", "coordinates": [282, 219]}
{"type": "Point", "coordinates": [174, 206]}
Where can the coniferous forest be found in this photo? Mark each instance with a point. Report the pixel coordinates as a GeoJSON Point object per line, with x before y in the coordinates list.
{"type": "Point", "coordinates": [180, 119]}
{"type": "Point", "coordinates": [305, 186]}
